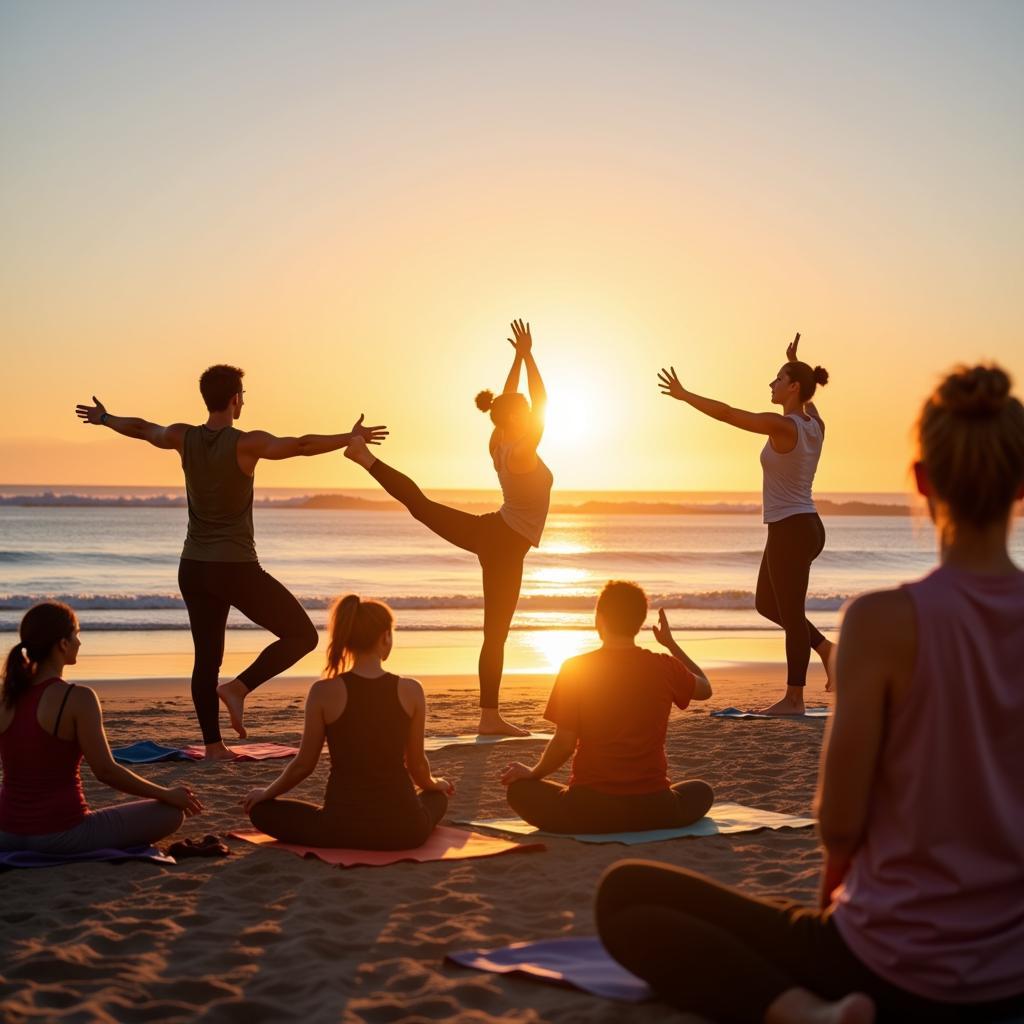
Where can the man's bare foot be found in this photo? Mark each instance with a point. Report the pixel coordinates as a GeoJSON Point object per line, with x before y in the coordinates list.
{"type": "Point", "coordinates": [824, 651]}
{"type": "Point", "coordinates": [357, 451]}
{"type": "Point", "coordinates": [798, 1006]}
{"type": "Point", "coordinates": [786, 706]}
{"type": "Point", "coordinates": [233, 696]}
{"type": "Point", "coordinates": [219, 752]}
{"type": "Point", "coordinates": [492, 724]}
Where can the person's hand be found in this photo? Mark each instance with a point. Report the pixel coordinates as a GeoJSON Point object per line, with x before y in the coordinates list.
{"type": "Point", "coordinates": [663, 631]}
{"type": "Point", "coordinates": [669, 384]}
{"type": "Point", "coordinates": [439, 785]}
{"type": "Point", "coordinates": [514, 772]}
{"type": "Point", "coordinates": [184, 799]}
{"type": "Point", "coordinates": [252, 798]}
{"type": "Point", "coordinates": [791, 349]}
{"type": "Point", "coordinates": [521, 340]}
{"type": "Point", "coordinates": [91, 413]}
{"type": "Point", "coordinates": [371, 435]}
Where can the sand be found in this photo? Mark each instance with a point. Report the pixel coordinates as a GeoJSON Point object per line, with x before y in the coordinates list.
{"type": "Point", "coordinates": [263, 935]}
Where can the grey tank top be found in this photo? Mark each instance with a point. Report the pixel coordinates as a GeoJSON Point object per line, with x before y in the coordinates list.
{"type": "Point", "coordinates": [526, 495]}
{"type": "Point", "coordinates": [219, 498]}
{"type": "Point", "coordinates": [789, 476]}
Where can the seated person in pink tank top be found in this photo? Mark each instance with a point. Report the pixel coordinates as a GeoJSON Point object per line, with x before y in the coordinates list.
{"type": "Point", "coordinates": [610, 708]}
{"type": "Point", "coordinates": [920, 804]}
{"type": "Point", "coordinates": [46, 726]}
{"type": "Point", "coordinates": [373, 722]}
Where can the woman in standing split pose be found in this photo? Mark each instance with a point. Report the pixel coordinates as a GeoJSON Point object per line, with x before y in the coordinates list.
{"type": "Point", "coordinates": [796, 535]}
{"type": "Point", "coordinates": [501, 539]}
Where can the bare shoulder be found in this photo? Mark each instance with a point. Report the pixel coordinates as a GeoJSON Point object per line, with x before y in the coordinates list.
{"type": "Point", "coordinates": [81, 698]}
{"type": "Point", "coordinates": [324, 689]}
{"type": "Point", "coordinates": [411, 687]}
{"type": "Point", "coordinates": [881, 620]}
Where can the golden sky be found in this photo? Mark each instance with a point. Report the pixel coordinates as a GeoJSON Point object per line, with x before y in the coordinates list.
{"type": "Point", "coordinates": [352, 202]}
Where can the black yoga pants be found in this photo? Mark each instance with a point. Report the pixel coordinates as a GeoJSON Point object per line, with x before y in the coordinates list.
{"type": "Point", "coordinates": [793, 543]}
{"type": "Point", "coordinates": [500, 551]}
{"type": "Point", "coordinates": [709, 949]}
{"type": "Point", "coordinates": [295, 821]}
{"type": "Point", "coordinates": [210, 590]}
{"type": "Point", "coordinates": [582, 810]}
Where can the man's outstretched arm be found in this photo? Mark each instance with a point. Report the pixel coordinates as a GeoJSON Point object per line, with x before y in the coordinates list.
{"type": "Point", "coordinates": [258, 444]}
{"type": "Point", "coordinates": [131, 426]}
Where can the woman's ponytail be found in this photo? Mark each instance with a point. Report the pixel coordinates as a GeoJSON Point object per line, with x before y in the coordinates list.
{"type": "Point", "coordinates": [354, 625]}
{"type": "Point", "coordinates": [484, 401]}
{"type": "Point", "coordinates": [807, 377]}
{"type": "Point", "coordinates": [42, 627]}
{"type": "Point", "coordinates": [820, 376]}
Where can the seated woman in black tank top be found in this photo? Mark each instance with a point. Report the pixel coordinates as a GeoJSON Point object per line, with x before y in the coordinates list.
{"type": "Point", "coordinates": [373, 723]}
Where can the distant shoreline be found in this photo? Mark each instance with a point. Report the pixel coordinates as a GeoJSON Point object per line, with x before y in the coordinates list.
{"type": "Point", "coordinates": [350, 503]}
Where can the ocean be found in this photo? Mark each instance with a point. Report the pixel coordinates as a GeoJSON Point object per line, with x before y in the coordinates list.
{"type": "Point", "coordinates": [113, 553]}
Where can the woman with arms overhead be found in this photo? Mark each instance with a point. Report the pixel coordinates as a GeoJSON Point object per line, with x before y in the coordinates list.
{"type": "Point", "coordinates": [501, 539]}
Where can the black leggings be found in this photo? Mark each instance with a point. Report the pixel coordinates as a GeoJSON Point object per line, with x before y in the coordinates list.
{"type": "Point", "coordinates": [295, 821]}
{"type": "Point", "coordinates": [582, 810]}
{"type": "Point", "coordinates": [210, 590]}
{"type": "Point", "coordinates": [709, 949]}
{"type": "Point", "coordinates": [500, 551]}
{"type": "Point", "coordinates": [793, 543]}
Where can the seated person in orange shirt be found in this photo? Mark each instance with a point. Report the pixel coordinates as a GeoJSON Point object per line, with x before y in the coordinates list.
{"type": "Point", "coordinates": [610, 708]}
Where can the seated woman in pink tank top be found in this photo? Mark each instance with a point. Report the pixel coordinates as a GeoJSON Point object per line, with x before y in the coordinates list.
{"type": "Point", "coordinates": [46, 726]}
{"type": "Point", "coordinates": [921, 802]}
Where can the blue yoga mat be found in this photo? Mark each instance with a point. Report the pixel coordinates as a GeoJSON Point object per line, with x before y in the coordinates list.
{"type": "Point", "coordinates": [822, 712]}
{"type": "Point", "coordinates": [576, 963]}
{"type": "Point", "coordinates": [148, 752]}
{"type": "Point", "coordinates": [31, 859]}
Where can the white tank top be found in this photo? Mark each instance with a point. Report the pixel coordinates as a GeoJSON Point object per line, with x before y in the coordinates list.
{"type": "Point", "coordinates": [526, 495]}
{"type": "Point", "coordinates": [788, 476]}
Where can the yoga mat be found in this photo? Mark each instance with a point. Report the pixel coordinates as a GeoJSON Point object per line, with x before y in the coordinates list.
{"type": "Point", "coordinates": [471, 739]}
{"type": "Point", "coordinates": [443, 844]}
{"type": "Point", "coordinates": [722, 819]}
{"type": "Point", "coordinates": [737, 713]}
{"type": "Point", "coordinates": [576, 963]}
{"type": "Point", "coordinates": [31, 859]}
{"type": "Point", "coordinates": [148, 752]}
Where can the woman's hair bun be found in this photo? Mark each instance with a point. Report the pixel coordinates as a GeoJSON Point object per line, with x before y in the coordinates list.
{"type": "Point", "coordinates": [975, 391]}
{"type": "Point", "coordinates": [485, 400]}
{"type": "Point", "coordinates": [820, 375]}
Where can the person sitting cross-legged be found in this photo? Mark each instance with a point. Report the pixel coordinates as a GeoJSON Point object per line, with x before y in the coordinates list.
{"type": "Point", "coordinates": [611, 709]}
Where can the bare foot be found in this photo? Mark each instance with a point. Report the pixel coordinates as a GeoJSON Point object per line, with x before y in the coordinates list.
{"type": "Point", "coordinates": [786, 706]}
{"type": "Point", "coordinates": [824, 651]}
{"type": "Point", "coordinates": [233, 695]}
{"type": "Point", "coordinates": [492, 724]}
{"type": "Point", "coordinates": [357, 451]}
{"type": "Point", "coordinates": [798, 1006]}
{"type": "Point", "coordinates": [219, 752]}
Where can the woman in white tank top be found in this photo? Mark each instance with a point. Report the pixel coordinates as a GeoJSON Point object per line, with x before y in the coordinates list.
{"type": "Point", "coordinates": [796, 535]}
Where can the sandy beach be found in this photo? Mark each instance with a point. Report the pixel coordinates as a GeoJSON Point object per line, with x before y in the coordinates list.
{"type": "Point", "coordinates": [263, 935]}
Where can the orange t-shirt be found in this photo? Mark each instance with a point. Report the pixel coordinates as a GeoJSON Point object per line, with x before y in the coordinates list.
{"type": "Point", "coordinates": [618, 702]}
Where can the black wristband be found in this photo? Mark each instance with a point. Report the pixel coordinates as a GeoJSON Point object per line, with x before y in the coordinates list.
{"type": "Point", "coordinates": [103, 418]}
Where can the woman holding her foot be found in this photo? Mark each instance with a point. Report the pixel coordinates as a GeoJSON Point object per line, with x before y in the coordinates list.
{"type": "Point", "coordinates": [46, 727]}
{"type": "Point", "coordinates": [373, 722]}
{"type": "Point", "coordinates": [920, 804]}
{"type": "Point", "coordinates": [501, 539]}
{"type": "Point", "coordinates": [796, 535]}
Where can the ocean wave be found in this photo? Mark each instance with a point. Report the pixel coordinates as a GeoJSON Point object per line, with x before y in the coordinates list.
{"type": "Point", "coordinates": [719, 600]}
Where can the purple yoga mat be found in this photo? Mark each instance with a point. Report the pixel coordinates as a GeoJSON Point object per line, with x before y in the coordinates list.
{"type": "Point", "coordinates": [576, 963]}
{"type": "Point", "coordinates": [31, 859]}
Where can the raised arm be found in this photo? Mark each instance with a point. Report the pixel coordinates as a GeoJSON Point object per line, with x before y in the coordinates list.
{"type": "Point", "coordinates": [96, 415]}
{"type": "Point", "coordinates": [663, 634]}
{"type": "Point", "coordinates": [259, 444]}
{"type": "Point", "coordinates": [92, 738]}
{"type": "Point", "coordinates": [300, 767]}
{"type": "Point", "coordinates": [876, 644]}
{"type": "Point", "coordinates": [416, 763]}
{"type": "Point", "coordinates": [522, 340]}
{"type": "Point", "coordinates": [778, 427]}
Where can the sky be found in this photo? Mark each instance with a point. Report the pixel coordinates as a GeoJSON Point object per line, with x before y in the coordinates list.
{"type": "Point", "coordinates": [352, 202]}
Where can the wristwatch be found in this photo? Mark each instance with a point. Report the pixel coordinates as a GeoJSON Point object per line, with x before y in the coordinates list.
{"type": "Point", "coordinates": [103, 418]}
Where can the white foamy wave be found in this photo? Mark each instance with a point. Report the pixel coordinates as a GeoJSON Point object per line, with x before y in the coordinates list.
{"type": "Point", "coordinates": [710, 599]}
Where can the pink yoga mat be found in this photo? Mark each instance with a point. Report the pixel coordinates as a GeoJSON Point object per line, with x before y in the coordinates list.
{"type": "Point", "coordinates": [251, 751]}
{"type": "Point", "coordinates": [443, 844]}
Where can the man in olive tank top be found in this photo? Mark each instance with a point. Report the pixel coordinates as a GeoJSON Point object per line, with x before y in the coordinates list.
{"type": "Point", "coordinates": [219, 568]}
